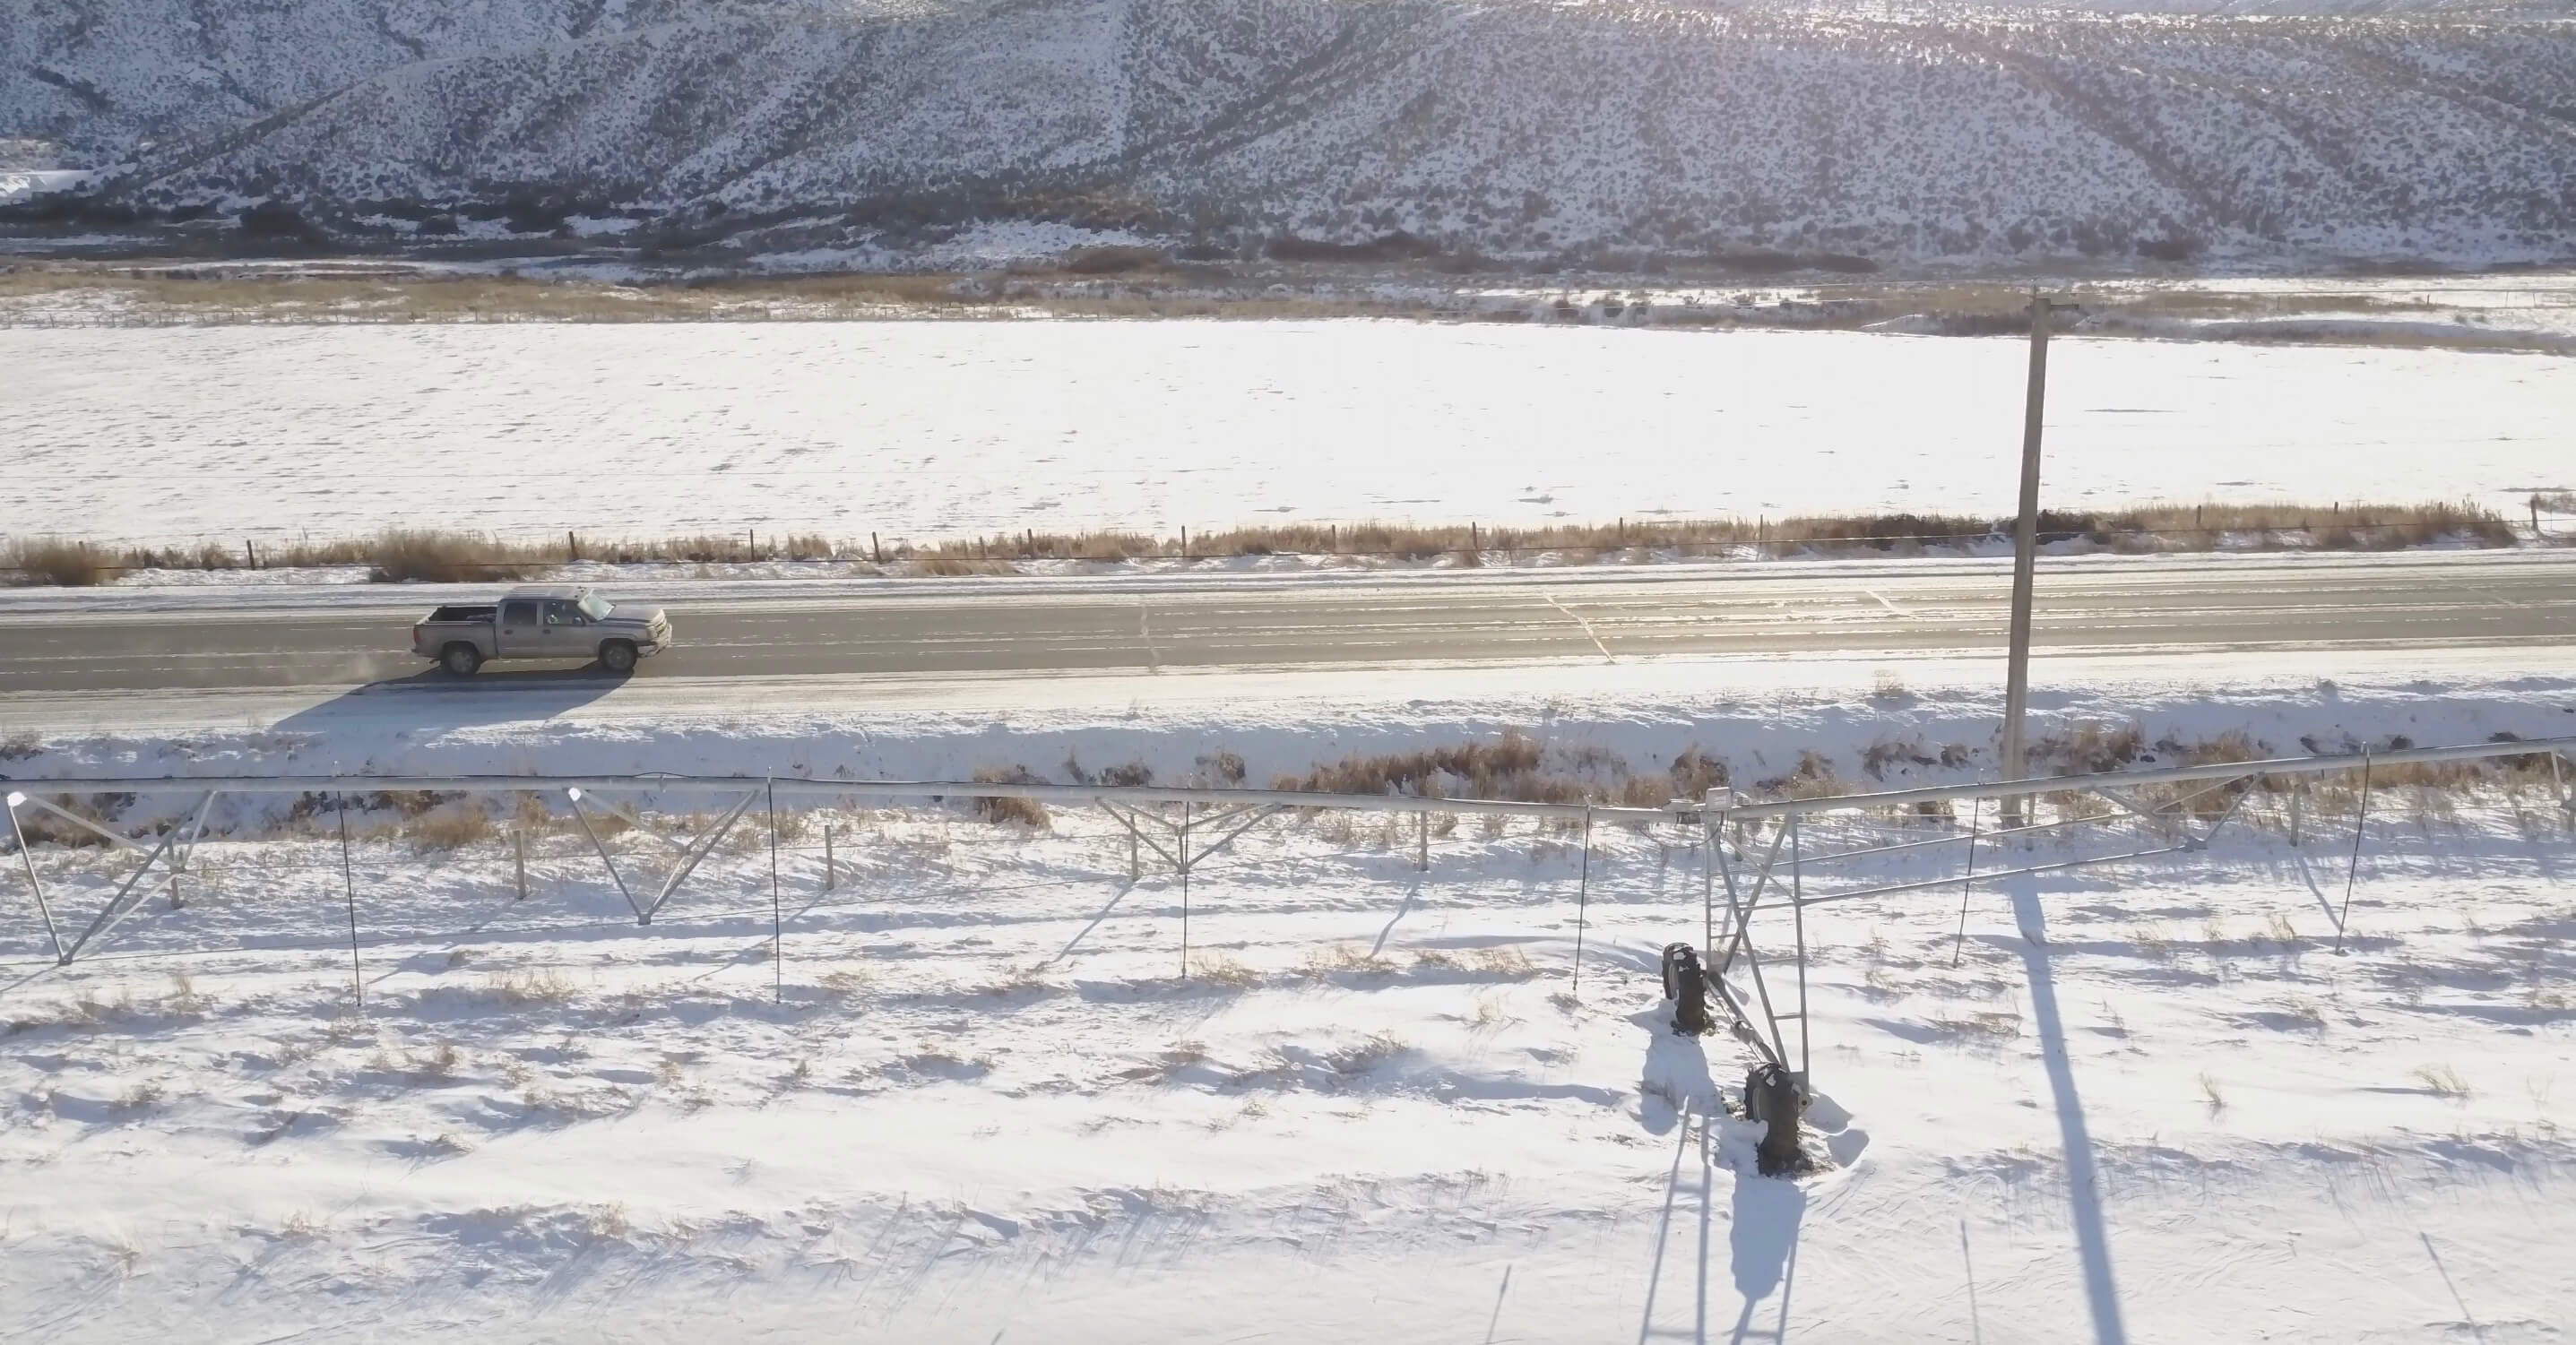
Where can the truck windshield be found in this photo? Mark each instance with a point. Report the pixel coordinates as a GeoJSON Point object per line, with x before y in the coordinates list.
{"type": "Point", "coordinates": [593, 606]}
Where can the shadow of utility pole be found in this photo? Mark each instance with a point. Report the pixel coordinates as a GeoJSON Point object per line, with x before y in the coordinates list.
{"type": "Point", "coordinates": [2083, 1188]}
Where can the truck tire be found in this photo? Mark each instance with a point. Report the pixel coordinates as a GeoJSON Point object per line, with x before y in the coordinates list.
{"type": "Point", "coordinates": [618, 657]}
{"type": "Point", "coordinates": [460, 659]}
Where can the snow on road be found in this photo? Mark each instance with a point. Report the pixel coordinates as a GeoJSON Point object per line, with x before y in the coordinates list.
{"type": "Point", "coordinates": [938, 429]}
{"type": "Point", "coordinates": [1759, 714]}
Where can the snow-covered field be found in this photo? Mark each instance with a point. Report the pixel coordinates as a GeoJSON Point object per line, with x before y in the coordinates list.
{"type": "Point", "coordinates": [965, 1095]}
{"type": "Point", "coordinates": [935, 430]}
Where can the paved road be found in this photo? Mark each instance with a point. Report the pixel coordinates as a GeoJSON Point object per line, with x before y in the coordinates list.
{"type": "Point", "coordinates": [2376, 602]}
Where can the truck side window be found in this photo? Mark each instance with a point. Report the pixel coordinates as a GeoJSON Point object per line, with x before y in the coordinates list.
{"type": "Point", "coordinates": [561, 613]}
{"type": "Point", "coordinates": [521, 613]}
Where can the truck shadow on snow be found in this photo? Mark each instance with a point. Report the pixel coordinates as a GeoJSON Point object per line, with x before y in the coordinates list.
{"type": "Point", "coordinates": [434, 700]}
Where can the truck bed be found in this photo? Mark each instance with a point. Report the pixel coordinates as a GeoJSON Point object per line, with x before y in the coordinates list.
{"type": "Point", "coordinates": [479, 612]}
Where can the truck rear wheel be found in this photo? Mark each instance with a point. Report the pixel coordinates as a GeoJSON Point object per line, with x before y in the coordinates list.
{"type": "Point", "coordinates": [460, 660]}
{"type": "Point", "coordinates": [618, 657]}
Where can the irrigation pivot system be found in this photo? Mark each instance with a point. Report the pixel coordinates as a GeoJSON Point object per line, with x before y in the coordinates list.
{"type": "Point", "coordinates": [1773, 859]}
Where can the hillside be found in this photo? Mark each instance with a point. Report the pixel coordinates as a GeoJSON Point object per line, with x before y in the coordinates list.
{"type": "Point", "coordinates": [1404, 130]}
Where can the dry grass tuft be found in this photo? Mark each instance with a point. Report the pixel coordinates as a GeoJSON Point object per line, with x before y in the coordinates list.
{"type": "Point", "coordinates": [2091, 749]}
{"type": "Point", "coordinates": [430, 556]}
{"type": "Point", "coordinates": [521, 989]}
{"type": "Point", "coordinates": [1993, 1025]}
{"type": "Point", "coordinates": [1346, 959]}
{"type": "Point", "coordinates": [1885, 752]}
{"type": "Point", "coordinates": [1026, 812]}
{"type": "Point", "coordinates": [1219, 969]}
{"type": "Point", "coordinates": [1813, 777]}
{"type": "Point", "coordinates": [951, 567]}
{"type": "Point", "coordinates": [2231, 746]}
{"type": "Point", "coordinates": [2441, 1080]}
{"type": "Point", "coordinates": [444, 556]}
{"type": "Point", "coordinates": [1368, 1055]}
{"type": "Point", "coordinates": [1506, 768]}
{"type": "Point", "coordinates": [437, 1066]}
{"type": "Point", "coordinates": [1694, 772]}
{"type": "Point", "coordinates": [51, 560]}
{"type": "Point", "coordinates": [450, 829]}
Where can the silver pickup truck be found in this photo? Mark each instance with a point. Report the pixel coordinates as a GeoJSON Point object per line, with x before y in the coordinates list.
{"type": "Point", "coordinates": [559, 621]}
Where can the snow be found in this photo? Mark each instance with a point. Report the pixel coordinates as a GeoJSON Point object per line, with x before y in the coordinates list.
{"type": "Point", "coordinates": [1538, 132]}
{"type": "Point", "coordinates": [973, 1101]}
{"type": "Point", "coordinates": [980, 246]}
{"type": "Point", "coordinates": [1759, 714]}
{"type": "Point", "coordinates": [22, 184]}
{"type": "Point", "coordinates": [937, 430]}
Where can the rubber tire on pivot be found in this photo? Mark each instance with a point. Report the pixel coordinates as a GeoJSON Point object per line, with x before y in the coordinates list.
{"type": "Point", "coordinates": [460, 660]}
{"type": "Point", "coordinates": [618, 657]}
{"type": "Point", "coordinates": [1772, 1097]}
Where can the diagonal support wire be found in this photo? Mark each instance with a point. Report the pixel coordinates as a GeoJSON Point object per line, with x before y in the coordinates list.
{"type": "Point", "coordinates": [613, 875]}
{"type": "Point", "coordinates": [187, 854]}
{"type": "Point", "coordinates": [2164, 812]}
{"type": "Point", "coordinates": [37, 885]}
{"type": "Point", "coordinates": [692, 853]}
{"type": "Point", "coordinates": [1259, 816]}
{"type": "Point", "coordinates": [1740, 911]}
{"type": "Point", "coordinates": [1740, 907]}
{"type": "Point", "coordinates": [1132, 818]}
{"type": "Point", "coordinates": [109, 917]}
{"type": "Point", "coordinates": [2201, 841]}
{"type": "Point", "coordinates": [30, 801]}
{"type": "Point", "coordinates": [119, 906]}
{"type": "Point", "coordinates": [701, 848]}
{"type": "Point", "coordinates": [626, 813]}
{"type": "Point", "coordinates": [1128, 819]}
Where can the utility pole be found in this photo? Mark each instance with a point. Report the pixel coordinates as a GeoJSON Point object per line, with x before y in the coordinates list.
{"type": "Point", "coordinates": [2015, 764]}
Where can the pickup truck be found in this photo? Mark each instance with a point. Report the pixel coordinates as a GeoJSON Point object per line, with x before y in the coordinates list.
{"type": "Point", "coordinates": [558, 621]}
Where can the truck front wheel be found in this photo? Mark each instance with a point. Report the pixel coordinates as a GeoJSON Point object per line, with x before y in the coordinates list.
{"type": "Point", "coordinates": [618, 657]}
{"type": "Point", "coordinates": [460, 660]}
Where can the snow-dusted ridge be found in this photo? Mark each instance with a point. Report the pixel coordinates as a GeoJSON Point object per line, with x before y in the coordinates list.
{"type": "Point", "coordinates": [1420, 128]}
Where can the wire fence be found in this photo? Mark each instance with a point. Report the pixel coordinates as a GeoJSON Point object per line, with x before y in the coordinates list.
{"type": "Point", "coordinates": [1484, 548]}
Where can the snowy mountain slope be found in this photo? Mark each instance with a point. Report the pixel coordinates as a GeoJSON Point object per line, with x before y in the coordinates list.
{"type": "Point", "coordinates": [1512, 129]}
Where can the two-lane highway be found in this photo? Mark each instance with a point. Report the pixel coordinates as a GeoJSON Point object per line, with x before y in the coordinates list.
{"type": "Point", "coordinates": [738, 630]}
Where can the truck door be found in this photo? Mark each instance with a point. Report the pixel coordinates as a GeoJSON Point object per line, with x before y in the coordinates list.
{"type": "Point", "coordinates": [568, 631]}
{"type": "Point", "coordinates": [517, 632]}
